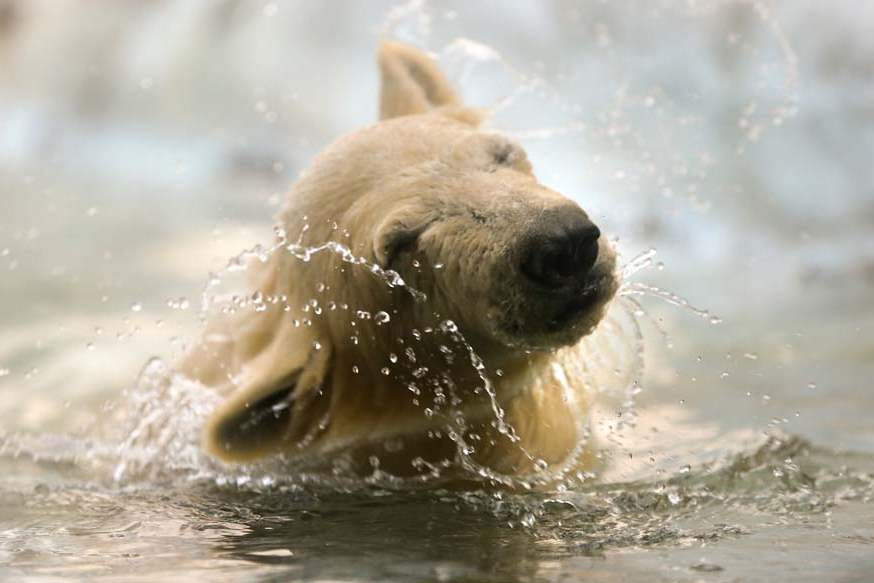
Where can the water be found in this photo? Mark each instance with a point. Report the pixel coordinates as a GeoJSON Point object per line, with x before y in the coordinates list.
{"type": "Point", "coordinates": [707, 519]}
{"type": "Point", "coordinates": [727, 136]}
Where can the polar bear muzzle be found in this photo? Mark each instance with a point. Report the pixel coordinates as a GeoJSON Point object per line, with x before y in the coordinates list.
{"type": "Point", "coordinates": [561, 251]}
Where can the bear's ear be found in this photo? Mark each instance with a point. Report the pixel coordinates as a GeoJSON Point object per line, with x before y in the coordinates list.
{"type": "Point", "coordinates": [411, 82]}
{"type": "Point", "coordinates": [281, 404]}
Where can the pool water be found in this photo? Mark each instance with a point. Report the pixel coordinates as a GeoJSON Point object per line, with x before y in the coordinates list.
{"type": "Point", "coordinates": [799, 509]}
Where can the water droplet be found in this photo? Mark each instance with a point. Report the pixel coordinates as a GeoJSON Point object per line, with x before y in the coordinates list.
{"type": "Point", "coordinates": [317, 345]}
{"type": "Point", "coordinates": [385, 371]}
{"type": "Point", "coordinates": [723, 375]}
{"type": "Point", "coordinates": [393, 357]}
{"type": "Point", "coordinates": [381, 317]}
{"type": "Point", "coordinates": [354, 369]}
{"type": "Point", "coordinates": [136, 307]}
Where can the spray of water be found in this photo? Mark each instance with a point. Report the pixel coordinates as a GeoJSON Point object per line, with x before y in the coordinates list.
{"type": "Point", "coordinates": [166, 410]}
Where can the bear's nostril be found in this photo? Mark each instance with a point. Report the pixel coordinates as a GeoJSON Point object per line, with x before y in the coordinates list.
{"type": "Point", "coordinates": [557, 260]}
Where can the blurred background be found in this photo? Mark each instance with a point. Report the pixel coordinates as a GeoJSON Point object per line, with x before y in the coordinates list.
{"type": "Point", "coordinates": [143, 143]}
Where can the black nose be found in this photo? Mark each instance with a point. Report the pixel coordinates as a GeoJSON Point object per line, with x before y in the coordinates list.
{"type": "Point", "coordinates": [562, 249]}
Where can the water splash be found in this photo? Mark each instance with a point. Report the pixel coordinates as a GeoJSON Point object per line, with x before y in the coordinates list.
{"type": "Point", "coordinates": [635, 288]}
{"type": "Point", "coordinates": [456, 423]}
{"type": "Point", "coordinates": [391, 278]}
{"type": "Point", "coordinates": [165, 411]}
{"type": "Point", "coordinates": [636, 264]}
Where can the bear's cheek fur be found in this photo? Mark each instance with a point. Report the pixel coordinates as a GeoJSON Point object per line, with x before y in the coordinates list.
{"type": "Point", "coordinates": [469, 269]}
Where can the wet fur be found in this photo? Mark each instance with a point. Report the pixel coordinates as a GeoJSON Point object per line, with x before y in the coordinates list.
{"type": "Point", "coordinates": [423, 185]}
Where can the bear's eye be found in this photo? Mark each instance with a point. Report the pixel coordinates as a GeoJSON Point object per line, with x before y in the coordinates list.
{"type": "Point", "coordinates": [398, 242]}
{"type": "Point", "coordinates": [504, 154]}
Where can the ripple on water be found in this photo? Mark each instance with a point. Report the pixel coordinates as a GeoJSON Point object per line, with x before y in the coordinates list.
{"type": "Point", "coordinates": [61, 517]}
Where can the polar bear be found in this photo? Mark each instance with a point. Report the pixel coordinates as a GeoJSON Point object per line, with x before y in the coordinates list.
{"type": "Point", "coordinates": [413, 312]}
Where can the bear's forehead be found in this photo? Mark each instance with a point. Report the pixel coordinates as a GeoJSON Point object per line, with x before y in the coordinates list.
{"type": "Point", "coordinates": [392, 148]}
{"type": "Point", "coordinates": [437, 135]}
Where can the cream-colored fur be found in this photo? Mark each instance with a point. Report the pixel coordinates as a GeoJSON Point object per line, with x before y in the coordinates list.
{"type": "Point", "coordinates": [315, 372]}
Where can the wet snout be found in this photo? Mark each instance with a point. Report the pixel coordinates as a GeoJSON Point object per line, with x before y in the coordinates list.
{"type": "Point", "coordinates": [567, 282]}
{"type": "Point", "coordinates": [560, 250]}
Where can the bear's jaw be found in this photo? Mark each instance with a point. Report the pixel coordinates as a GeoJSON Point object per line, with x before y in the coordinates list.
{"type": "Point", "coordinates": [547, 323]}
{"type": "Point", "coordinates": [399, 433]}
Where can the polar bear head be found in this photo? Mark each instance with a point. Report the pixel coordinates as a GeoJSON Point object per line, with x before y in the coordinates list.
{"type": "Point", "coordinates": [458, 212]}
{"type": "Point", "coordinates": [427, 197]}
